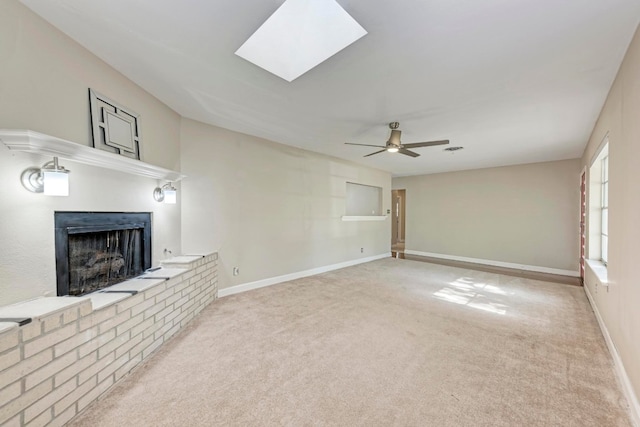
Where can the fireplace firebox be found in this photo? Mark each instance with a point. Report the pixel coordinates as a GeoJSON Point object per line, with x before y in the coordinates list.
{"type": "Point", "coordinates": [99, 249]}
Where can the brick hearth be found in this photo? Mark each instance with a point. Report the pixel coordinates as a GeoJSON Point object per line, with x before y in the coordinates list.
{"type": "Point", "coordinates": [71, 350]}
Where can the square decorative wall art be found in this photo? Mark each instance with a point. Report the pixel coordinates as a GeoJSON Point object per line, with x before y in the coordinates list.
{"type": "Point", "coordinates": [115, 128]}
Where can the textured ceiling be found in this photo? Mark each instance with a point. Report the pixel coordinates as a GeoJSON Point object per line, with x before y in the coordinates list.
{"type": "Point", "coordinates": [513, 81]}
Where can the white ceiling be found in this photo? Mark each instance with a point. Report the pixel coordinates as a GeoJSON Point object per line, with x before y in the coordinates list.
{"type": "Point", "coordinates": [513, 81]}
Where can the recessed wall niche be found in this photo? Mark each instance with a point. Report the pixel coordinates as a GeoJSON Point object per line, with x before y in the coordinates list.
{"type": "Point", "coordinates": [363, 200]}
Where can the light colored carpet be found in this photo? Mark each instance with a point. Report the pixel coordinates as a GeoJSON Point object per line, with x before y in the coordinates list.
{"type": "Point", "coordinates": [388, 343]}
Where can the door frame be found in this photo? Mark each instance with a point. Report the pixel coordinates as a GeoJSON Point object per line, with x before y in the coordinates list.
{"type": "Point", "coordinates": [398, 215]}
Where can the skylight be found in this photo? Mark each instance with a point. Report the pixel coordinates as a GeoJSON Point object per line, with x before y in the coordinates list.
{"type": "Point", "coordinates": [300, 35]}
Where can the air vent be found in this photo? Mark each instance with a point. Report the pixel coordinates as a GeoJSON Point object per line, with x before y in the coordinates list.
{"type": "Point", "coordinates": [453, 148]}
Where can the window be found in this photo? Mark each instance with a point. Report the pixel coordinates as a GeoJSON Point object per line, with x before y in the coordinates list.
{"type": "Point", "coordinates": [604, 209]}
{"type": "Point", "coordinates": [598, 219]}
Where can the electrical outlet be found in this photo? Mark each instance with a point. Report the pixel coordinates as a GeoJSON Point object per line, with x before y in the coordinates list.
{"type": "Point", "coordinates": [361, 250]}
{"type": "Point", "coordinates": [236, 271]}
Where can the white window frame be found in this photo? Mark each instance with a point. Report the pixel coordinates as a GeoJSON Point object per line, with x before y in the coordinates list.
{"type": "Point", "coordinates": [604, 211]}
{"type": "Point", "coordinates": [597, 219]}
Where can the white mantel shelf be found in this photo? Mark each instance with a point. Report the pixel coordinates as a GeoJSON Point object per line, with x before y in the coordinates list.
{"type": "Point", "coordinates": [33, 142]}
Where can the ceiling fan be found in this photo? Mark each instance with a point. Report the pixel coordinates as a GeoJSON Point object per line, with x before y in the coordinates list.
{"type": "Point", "coordinates": [395, 146]}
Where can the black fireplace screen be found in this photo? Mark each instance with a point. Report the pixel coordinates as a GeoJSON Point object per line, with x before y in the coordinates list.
{"type": "Point", "coordinates": [98, 260]}
{"type": "Point", "coordinates": [98, 249]}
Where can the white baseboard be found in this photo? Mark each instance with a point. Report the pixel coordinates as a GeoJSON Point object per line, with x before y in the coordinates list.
{"type": "Point", "coordinates": [572, 273]}
{"type": "Point", "coordinates": [627, 388]}
{"type": "Point", "coordinates": [285, 278]}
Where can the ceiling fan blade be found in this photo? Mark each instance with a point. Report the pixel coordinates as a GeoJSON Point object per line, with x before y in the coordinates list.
{"type": "Point", "coordinates": [426, 144]}
{"type": "Point", "coordinates": [377, 152]}
{"type": "Point", "coordinates": [365, 145]}
{"type": "Point", "coordinates": [408, 153]}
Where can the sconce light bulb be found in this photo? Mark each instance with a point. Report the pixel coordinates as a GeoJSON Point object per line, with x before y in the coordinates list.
{"type": "Point", "coordinates": [170, 196]}
{"type": "Point", "coordinates": [56, 183]}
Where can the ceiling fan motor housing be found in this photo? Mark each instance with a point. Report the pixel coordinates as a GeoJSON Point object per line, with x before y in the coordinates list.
{"type": "Point", "coordinates": [394, 139]}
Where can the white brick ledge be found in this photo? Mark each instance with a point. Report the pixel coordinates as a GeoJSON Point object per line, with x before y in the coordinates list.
{"type": "Point", "coordinates": [75, 349]}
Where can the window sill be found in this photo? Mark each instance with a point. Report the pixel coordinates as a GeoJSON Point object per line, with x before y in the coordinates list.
{"type": "Point", "coordinates": [599, 269]}
{"type": "Point", "coordinates": [364, 218]}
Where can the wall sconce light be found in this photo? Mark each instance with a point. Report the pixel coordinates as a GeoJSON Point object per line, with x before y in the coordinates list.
{"type": "Point", "coordinates": [167, 193]}
{"type": "Point", "coordinates": [51, 178]}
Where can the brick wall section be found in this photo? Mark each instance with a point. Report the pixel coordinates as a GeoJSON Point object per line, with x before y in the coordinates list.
{"type": "Point", "coordinates": [53, 367]}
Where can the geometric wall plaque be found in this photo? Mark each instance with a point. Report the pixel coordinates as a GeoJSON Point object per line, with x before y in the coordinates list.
{"type": "Point", "coordinates": [115, 128]}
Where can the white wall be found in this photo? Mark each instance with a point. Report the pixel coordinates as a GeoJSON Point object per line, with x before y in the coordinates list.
{"type": "Point", "coordinates": [44, 81]}
{"type": "Point", "coordinates": [619, 304]}
{"type": "Point", "coordinates": [271, 209]}
{"type": "Point", "coordinates": [524, 214]}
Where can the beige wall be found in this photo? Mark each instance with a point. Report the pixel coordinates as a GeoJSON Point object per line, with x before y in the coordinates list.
{"type": "Point", "coordinates": [525, 214]}
{"type": "Point", "coordinates": [44, 81]}
{"type": "Point", "coordinates": [619, 305]}
{"type": "Point", "coordinates": [270, 209]}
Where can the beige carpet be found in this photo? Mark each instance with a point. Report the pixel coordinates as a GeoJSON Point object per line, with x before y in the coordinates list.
{"type": "Point", "coordinates": [388, 343]}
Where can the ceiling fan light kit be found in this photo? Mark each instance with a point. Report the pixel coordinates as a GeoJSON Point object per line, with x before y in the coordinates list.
{"type": "Point", "coordinates": [394, 145]}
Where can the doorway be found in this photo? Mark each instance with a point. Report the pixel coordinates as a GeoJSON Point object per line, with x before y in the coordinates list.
{"type": "Point", "coordinates": [398, 204]}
